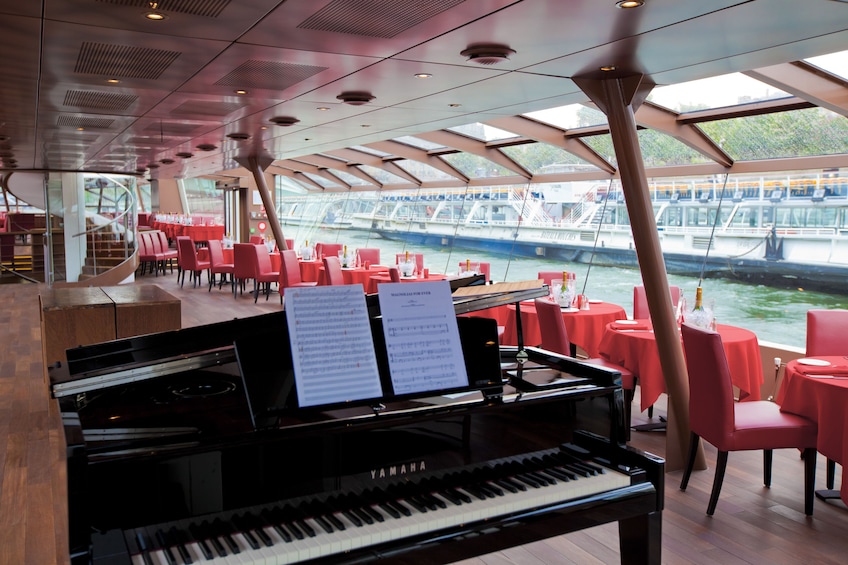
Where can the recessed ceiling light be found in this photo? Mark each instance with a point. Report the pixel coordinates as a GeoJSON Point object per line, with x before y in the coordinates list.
{"type": "Point", "coordinates": [322, 108]}
{"type": "Point", "coordinates": [454, 105]}
{"type": "Point", "coordinates": [365, 126]}
{"type": "Point", "coordinates": [608, 68]}
{"type": "Point", "coordinates": [153, 14]}
{"type": "Point", "coordinates": [422, 75]}
{"type": "Point", "coordinates": [241, 92]}
{"type": "Point", "coordinates": [629, 3]}
{"type": "Point", "coordinates": [112, 80]}
{"type": "Point", "coordinates": [80, 129]}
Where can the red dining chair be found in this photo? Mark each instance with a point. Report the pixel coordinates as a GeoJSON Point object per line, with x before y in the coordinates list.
{"type": "Point", "coordinates": [369, 254]}
{"type": "Point", "coordinates": [640, 301]}
{"type": "Point", "coordinates": [737, 426]}
{"type": "Point", "coordinates": [548, 276]}
{"type": "Point", "coordinates": [333, 271]}
{"type": "Point", "coordinates": [394, 274]}
{"type": "Point", "coordinates": [328, 249]}
{"type": "Point", "coordinates": [290, 244]}
{"type": "Point", "coordinates": [189, 260]}
{"type": "Point", "coordinates": [555, 338]}
{"type": "Point", "coordinates": [217, 265]}
{"type": "Point", "coordinates": [484, 268]}
{"type": "Point", "coordinates": [826, 330]}
{"type": "Point", "coordinates": [290, 272]}
{"type": "Point", "coordinates": [264, 273]}
{"type": "Point", "coordinates": [243, 257]}
{"type": "Point", "coordinates": [168, 255]}
{"type": "Point", "coordinates": [146, 254]}
{"type": "Point", "coordinates": [256, 239]}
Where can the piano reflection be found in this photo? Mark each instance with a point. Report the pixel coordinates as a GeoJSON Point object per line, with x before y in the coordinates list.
{"type": "Point", "coordinates": [189, 446]}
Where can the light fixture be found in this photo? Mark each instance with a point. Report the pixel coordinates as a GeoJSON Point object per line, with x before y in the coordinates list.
{"type": "Point", "coordinates": [154, 14]}
{"type": "Point", "coordinates": [207, 147]}
{"type": "Point", "coordinates": [238, 136]}
{"type": "Point", "coordinates": [355, 98]}
{"type": "Point", "coordinates": [284, 121]}
{"type": "Point", "coordinates": [241, 92]}
{"type": "Point", "coordinates": [625, 4]}
{"type": "Point", "coordinates": [152, 166]}
{"type": "Point", "coordinates": [454, 105]}
{"type": "Point", "coordinates": [422, 75]}
{"type": "Point", "coordinates": [608, 68]}
{"type": "Point", "coordinates": [322, 108]}
{"type": "Point", "coordinates": [112, 80]}
{"type": "Point", "coordinates": [184, 155]}
{"type": "Point", "coordinates": [487, 54]}
{"type": "Point", "coordinates": [166, 161]}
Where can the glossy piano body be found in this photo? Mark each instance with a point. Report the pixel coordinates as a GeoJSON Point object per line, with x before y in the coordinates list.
{"type": "Point", "coordinates": [159, 430]}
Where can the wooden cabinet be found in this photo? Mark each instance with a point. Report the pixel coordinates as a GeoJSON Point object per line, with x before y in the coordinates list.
{"type": "Point", "coordinates": [71, 317]}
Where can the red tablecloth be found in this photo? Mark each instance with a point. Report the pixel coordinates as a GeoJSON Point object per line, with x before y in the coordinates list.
{"type": "Point", "coordinates": [635, 348]}
{"type": "Point", "coordinates": [585, 327]}
{"type": "Point", "coordinates": [823, 400]}
{"type": "Point", "coordinates": [196, 233]}
{"type": "Point", "coordinates": [310, 270]}
{"type": "Point", "coordinates": [375, 280]}
{"type": "Point", "coordinates": [358, 275]}
{"type": "Point", "coordinates": [203, 255]}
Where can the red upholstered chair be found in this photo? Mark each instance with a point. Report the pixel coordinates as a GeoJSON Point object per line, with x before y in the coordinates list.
{"type": "Point", "coordinates": [548, 276]}
{"type": "Point", "coordinates": [826, 331]}
{"type": "Point", "coordinates": [333, 271]}
{"type": "Point", "coordinates": [290, 244]}
{"type": "Point", "coordinates": [243, 270]}
{"type": "Point", "coordinates": [290, 272]}
{"type": "Point", "coordinates": [217, 266]}
{"type": "Point", "coordinates": [369, 254]}
{"type": "Point", "coordinates": [328, 249]}
{"type": "Point", "coordinates": [640, 301]}
{"type": "Point", "coordinates": [419, 260]}
{"type": "Point", "coordinates": [555, 338]}
{"type": "Point", "coordinates": [256, 239]}
{"type": "Point", "coordinates": [263, 271]}
{"type": "Point", "coordinates": [737, 426]}
{"type": "Point", "coordinates": [146, 254]}
{"type": "Point", "coordinates": [189, 261]}
{"type": "Point", "coordinates": [482, 267]}
{"type": "Point", "coordinates": [168, 255]}
{"type": "Point", "coordinates": [394, 274]}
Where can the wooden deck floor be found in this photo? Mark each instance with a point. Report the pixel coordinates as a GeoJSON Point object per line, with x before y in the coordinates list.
{"type": "Point", "coordinates": [752, 524]}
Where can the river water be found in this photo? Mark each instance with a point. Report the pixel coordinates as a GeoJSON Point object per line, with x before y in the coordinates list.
{"type": "Point", "coordinates": [775, 315]}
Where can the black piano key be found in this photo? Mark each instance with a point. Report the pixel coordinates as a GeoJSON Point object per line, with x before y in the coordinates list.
{"type": "Point", "coordinates": [373, 512]}
{"type": "Point", "coordinates": [364, 516]}
{"type": "Point", "coordinates": [413, 501]}
{"type": "Point", "coordinates": [506, 486]}
{"type": "Point", "coordinates": [201, 541]}
{"type": "Point", "coordinates": [543, 480]}
{"type": "Point", "coordinates": [257, 524]}
{"type": "Point", "coordinates": [275, 523]}
{"type": "Point", "coordinates": [578, 470]}
{"type": "Point", "coordinates": [474, 491]}
{"type": "Point", "coordinates": [493, 488]}
{"type": "Point", "coordinates": [389, 509]}
{"type": "Point", "coordinates": [452, 496]}
{"type": "Point", "coordinates": [306, 528]}
{"type": "Point", "coordinates": [400, 507]}
{"type": "Point", "coordinates": [528, 480]}
{"type": "Point", "coordinates": [144, 546]}
{"type": "Point", "coordinates": [243, 528]}
{"type": "Point", "coordinates": [179, 539]}
{"type": "Point", "coordinates": [354, 519]}
{"type": "Point", "coordinates": [224, 532]}
{"type": "Point", "coordinates": [558, 474]}
{"type": "Point", "coordinates": [162, 543]}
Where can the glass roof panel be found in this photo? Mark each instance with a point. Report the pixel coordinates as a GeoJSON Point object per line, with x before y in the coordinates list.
{"type": "Point", "coordinates": [323, 182]}
{"type": "Point", "coordinates": [422, 171]}
{"type": "Point", "coordinates": [350, 179]}
{"type": "Point", "coordinates": [835, 63]}
{"type": "Point", "coordinates": [483, 132]}
{"type": "Point", "coordinates": [714, 92]}
{"type": "Point", "coordinates": [382, 176]}
{"type": "Point", "coordinates": [545, 158]}
{"type": "Point", "coordinates": [602, 144]}
{"type": "Point", "coordinates": [662, 150]}
{"type": "Point", "coordinates": [370, 151]}
{"type": "Point", "coordinates": [419, 143]}
{"type": "Point", "coordinates": [568, 117]}
{"type": "Point", "coordinates": [798, 133]}
{"type": "Point", "coordinates": [289, 185]}
{"type": "Point", "coordinates": [474, 166]}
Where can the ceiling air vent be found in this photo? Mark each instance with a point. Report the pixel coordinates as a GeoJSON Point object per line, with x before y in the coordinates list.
{"type": "Point", "coordinates": [184, 155]}
{"type": "Point", "coordinates": [207, 147]}
{"type": "Point", "coordinates": [166, 161]}
{"type": "Point", "coordinates": [284, 121]}
{"type": "Point", "coordinates": [487, 54]}
{"type": "Point", "coordinates": [355, 98]}
{"type": "Point", "coordinates": [152, 166]}
{"type": "Point", "coordinates": [238, 136]}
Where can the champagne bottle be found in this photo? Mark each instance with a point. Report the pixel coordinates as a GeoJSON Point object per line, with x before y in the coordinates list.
{"type": "Point", "coordinates": [564, 281]}
{"type": "Point", "coordinates": [468, 265]}
{"type": "Point", "coordinates": [699, 299]}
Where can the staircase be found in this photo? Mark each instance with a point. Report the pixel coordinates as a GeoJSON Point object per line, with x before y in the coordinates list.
{"type": "Point", "coordinates": [104, 252]}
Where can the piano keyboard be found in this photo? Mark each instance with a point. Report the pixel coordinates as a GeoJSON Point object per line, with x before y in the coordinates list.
{"type": "Point", "coordinates": [311, 528]}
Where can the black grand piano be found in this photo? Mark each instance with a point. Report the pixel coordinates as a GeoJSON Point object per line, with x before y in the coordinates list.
{"type": "Point", "coordinates": [189, 446]}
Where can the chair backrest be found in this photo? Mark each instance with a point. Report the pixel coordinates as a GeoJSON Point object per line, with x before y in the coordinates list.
{"type": "Point", "coordinates": [289, 244]}
{"type": "Point", "coordinates": [163, 240]}
{"type": "Point", "coordinates": [826, 332]}
{"type": "Point", "coordinates": [552, 327]}
{"type": "Point", "coordinates": [244, 256]}
{"type": "Point", "coordinates": [256, 239]}
{"type": "Point", "coordinates": [216, 252]}
{"type": "Point", "coordinates": [289, 268]}
{"type": "Point", "coordinates": [328, 249]}
{"type": "Point", "coordinates": [263, 260]}
{"type": "Point", "coordinates": [187, 253]}
{"type": "Point", "coordinates": [333, 270]}
{"type": "Point", "coordinates": [370, 254]}
{"type": "Point", "coordinates": [145, 247]}
{"type": "Point", "coordinates": [419, 260]}
{"type": "Point", "coordinates": [710, 388]}
{"type": "Point", "coordinates": [548, 276]}
{"type": "Point", "coordinates": [640, 301]}
{"type": "Point", "coordinates": [394, 274]}
{"type": "Point", "coordinates": [156, 244]}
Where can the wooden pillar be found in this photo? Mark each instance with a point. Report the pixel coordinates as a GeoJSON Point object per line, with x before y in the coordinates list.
{"type": "Point", "coordinates": [615, 97]}
{"type": "Point", "coordinates": [267, 200]}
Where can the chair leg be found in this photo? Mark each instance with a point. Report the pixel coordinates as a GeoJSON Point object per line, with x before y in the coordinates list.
{"type": "Point", "coordinates": [651, 411]}
{"type": "Point", "coordinates": [831, 473]}
{"type": "Point", "coordinates": [768, 456]}
{"type": "Point", "coordinates": [181, 278]}
{"type": "Point", "coordinates": [810, 455]}
{"type": "Point", "coordinates": [694, 442]}
{"type": "Point", "coordinates": [721, 466]}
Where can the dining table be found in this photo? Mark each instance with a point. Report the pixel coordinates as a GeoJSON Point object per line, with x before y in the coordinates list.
{"type": "Point", "coordinates": [585, 327]}
{"type": "Point", "coordinates": [375, 280]}
{"type": "Point", "coordinates": [203, 255]}
{"type": "Point", "coordinates": [817, 389]}
{"type": "Point", "coordinates": [632, 344]}
{"type": "Point", "coordinates": [197, 233]}
{"type": "Point", "coordinates": [354, 275]}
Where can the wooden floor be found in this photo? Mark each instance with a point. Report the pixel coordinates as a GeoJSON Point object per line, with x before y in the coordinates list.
{"type": "Point", "coordinates": [751, 525]}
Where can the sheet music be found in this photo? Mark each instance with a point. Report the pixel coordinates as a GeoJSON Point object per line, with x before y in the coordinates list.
{"type": "Point", "coordinates": [422, 337]}
{"type": "Point", "coordinates": [332, 349]}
